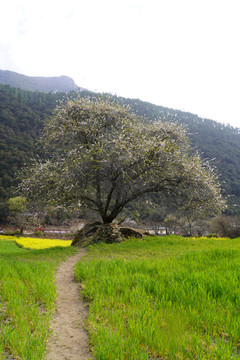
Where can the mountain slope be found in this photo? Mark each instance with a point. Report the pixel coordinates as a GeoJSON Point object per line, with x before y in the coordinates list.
{"type": "Point", "coordinates": [19, 129]}
{"type": "Point", "coordinates": [42, 84]}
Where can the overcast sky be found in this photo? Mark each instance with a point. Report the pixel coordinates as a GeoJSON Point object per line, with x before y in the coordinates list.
{"type": "Point", "coordinates": [182, 54]}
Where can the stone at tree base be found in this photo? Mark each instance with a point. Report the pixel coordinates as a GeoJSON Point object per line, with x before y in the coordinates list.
{"type": "Point", "coordinates": [127, 232]}
{"type": "Point", "coordinates": [84, 236]}
{"type": "Point", "coordinates": [108, 233]}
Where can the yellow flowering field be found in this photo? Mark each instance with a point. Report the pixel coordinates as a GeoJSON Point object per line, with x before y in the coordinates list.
{"type": "Point", "coordinates": [35, 243]}
{"type": "Point", "coordinates": [212, 238]}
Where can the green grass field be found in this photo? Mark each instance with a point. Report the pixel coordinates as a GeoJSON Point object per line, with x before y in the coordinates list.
{"type": "Point", "coordinates": [157, 298]}
{"type": "Point", "coordinates": [27, 295]}
{"type": "Point", "coordinates": [163, 298]}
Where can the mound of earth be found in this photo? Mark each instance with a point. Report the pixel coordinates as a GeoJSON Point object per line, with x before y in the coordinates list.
{"type": "Point", "coordinates": [108, 233]}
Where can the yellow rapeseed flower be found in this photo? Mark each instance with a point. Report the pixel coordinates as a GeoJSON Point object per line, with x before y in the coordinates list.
{"type": "Point", "coordinates": [7, 237]}
{"type": "Point", "coordinates": [211, 238]}
{"type": "Point", "coordinates": [35, 243]}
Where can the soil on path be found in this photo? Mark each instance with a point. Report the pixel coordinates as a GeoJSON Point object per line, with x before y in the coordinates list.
{"type": "Point", "coordinates": [69, 339]}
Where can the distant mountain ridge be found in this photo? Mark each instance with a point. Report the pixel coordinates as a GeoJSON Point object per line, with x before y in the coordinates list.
{"type": "Point", "coordinates": [37, 83]}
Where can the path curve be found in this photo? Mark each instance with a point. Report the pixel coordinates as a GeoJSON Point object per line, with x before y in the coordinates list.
{"type": "Point", "coordinates": [69, 339]}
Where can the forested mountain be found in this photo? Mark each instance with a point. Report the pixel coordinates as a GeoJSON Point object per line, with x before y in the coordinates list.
{"type": "Point", "coordinates": [22, 115]}
{"type": "Point", "coordinates": [37, 83]}
{"type": "Point", "coordinates": [19, 129]}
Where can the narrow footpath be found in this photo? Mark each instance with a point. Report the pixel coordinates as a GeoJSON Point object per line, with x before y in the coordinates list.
{"type": "Point", "coordinates": [69, 339]}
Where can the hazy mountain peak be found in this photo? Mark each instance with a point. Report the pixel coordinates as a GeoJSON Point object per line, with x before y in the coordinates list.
{"type": "Point", "coordinates": [37, 83]}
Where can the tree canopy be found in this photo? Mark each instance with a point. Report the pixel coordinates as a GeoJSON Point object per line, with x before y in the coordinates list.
{"type": "Point", "coordinates": [102, 156]}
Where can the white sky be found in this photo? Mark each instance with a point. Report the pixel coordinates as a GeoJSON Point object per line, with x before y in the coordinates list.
{"type": "Point", "coordinates": [182, 54]}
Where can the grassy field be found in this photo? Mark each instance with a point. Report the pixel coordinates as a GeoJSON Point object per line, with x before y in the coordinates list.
{"type": "Point", "coordinates": [157, 298]}
{"type": "Point", "coordinates": [27, 295]}
{"type": "Point", "coordinates": [163, 298]}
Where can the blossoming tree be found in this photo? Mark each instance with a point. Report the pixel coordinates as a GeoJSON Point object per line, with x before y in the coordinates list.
{"type": "Point", "coordinates": [103, 156]}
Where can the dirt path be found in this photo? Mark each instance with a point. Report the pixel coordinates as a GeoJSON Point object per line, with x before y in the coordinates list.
{"type": "Point", "coordinates": [69, 340]}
